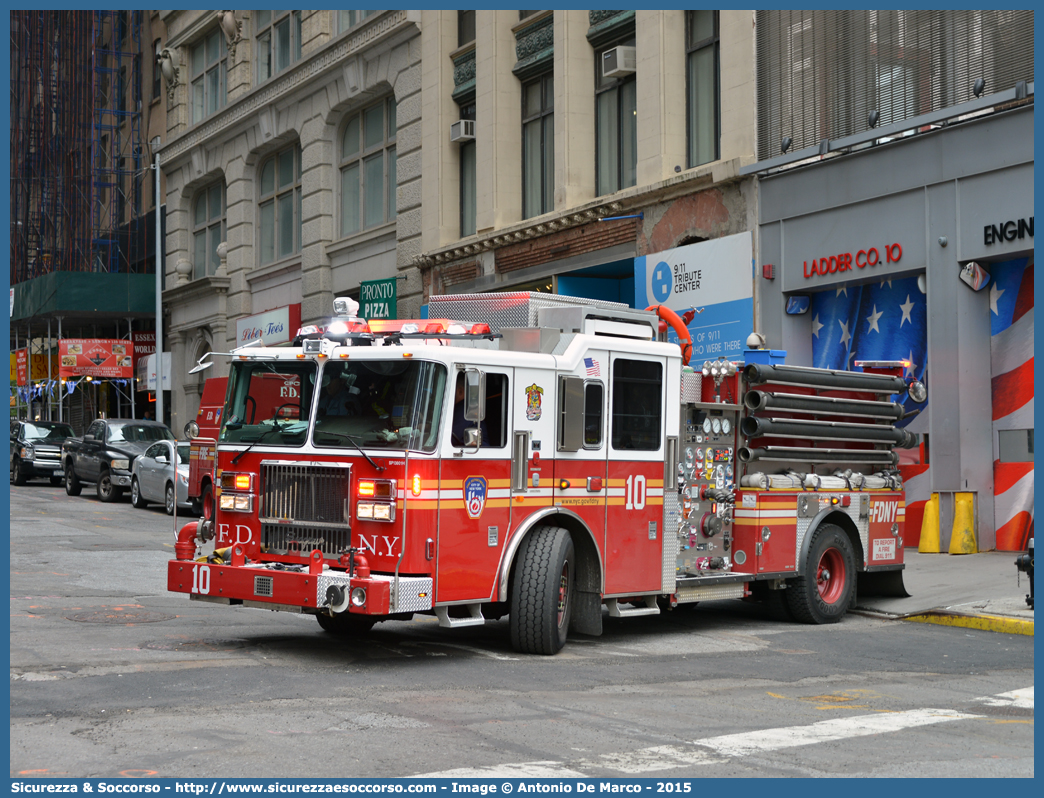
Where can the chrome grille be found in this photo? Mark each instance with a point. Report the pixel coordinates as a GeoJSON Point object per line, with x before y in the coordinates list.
{"type": "Point", "coordinates": [305, 506]}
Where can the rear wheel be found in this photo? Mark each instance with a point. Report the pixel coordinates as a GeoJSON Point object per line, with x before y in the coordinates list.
{"type": "Point", "coordinates": [136, 498]}
{"type": "Point", "coordinates": [345, 623]}
{"type": "Point", "coordinates": [206, 502]}
{"type": "Point", "coordinates": [107, 492]}
{"type": "Point", "coordinates": [18, 476]}
{"type": "Point", "coordinates": [824, 591]}
{"type": "Point", "coordinates": [542, 591]}
{"type": "Point", "coordinates": [168, 499]}
{"type": "Point", "coordinates": [72, 484]}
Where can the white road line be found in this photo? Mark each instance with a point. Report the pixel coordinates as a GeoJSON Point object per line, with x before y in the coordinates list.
{"type": "Point", "coordinates": [746, 743]}
{"type": "Point", "coordinates": [520, 770]}
{"type": "Point", "coordinates": [1022, 699]}
{"type": "Point", "coordinates": [660, 757]}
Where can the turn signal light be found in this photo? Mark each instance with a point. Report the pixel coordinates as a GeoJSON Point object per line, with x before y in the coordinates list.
{"type": "Point", "coordinates": [231, 480]}
{"type": "Point", "coordinates": [415, 486]}
{"type": "Point", "coordinates": [366, 487]}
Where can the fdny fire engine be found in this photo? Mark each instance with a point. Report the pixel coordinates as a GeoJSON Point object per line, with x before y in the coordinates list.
{"type": "Point", "coordinates": [546, 458]}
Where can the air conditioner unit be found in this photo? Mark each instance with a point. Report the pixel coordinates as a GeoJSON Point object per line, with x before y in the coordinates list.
{"type": "Point", "coordinates": [619, 62]}
{"type": "Point", "coordinates": [462, 131]}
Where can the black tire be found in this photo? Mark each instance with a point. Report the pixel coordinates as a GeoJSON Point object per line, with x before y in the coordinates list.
{"type": "Point", "coordinates": [18, 476]}
{"type": "Point", "coordinates": [542, 591]}
{"type": "Point", "coordinates": [169, 499]}
{"type": "Point", "coordinates": [136, 497]}
{"type": "Point", "coordinates": [346, 624]}
{"type": "Point", "coordinates": [107, 492]}
{"type": "Point", "coordinates": [56, 480]}
{"type": "Point", "coordinates": [823, 592]}
{"type": "Point", "coordinates": [73, 486]}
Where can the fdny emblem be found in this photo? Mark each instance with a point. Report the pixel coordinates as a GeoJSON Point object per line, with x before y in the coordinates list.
{"type": "Point", "coordinates": [474, 496]}
{"type": "Point", "coordinates": [533, 393]}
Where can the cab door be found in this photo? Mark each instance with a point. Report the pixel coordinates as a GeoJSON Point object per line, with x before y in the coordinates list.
{"type": "Point", "coordinates": [634, 519]}
{"type": "Point", "coordinates": [474, 489]}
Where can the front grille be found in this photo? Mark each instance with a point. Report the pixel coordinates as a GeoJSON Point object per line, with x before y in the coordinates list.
{"type": "Point", "coordinates": [54, 457]}
{"type": "Point", "coordinates": [305, 507]}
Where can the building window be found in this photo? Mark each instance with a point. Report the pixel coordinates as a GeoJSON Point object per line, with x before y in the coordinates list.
{"type": "Point", "coordinates": [465, 27]}
{"type": "Point", "coordinates": [538, 146]}
{"type": "Point", "coordinates": [468, 178]}
{"type": "Point", "coordinates": [523, 14]}
{"type": "Point", "coordinates": [278, 41]}
{"type": "Point", "coordinates": [280, 205]}
{"type": "Point", "coordinates": [616, 128]}
{"type": "Point", "coordinates": [157, 75]}
{"type": "Point", "coordinates": [348, 19]}
{"type": "Point", "coordinates": [208, 229]}
{"type": "Point", "coordinates": [368, 168]}
{"type": "Point", "coordinates": [209, 76]}
{"type": "Point", "coordinates": [701, 29]}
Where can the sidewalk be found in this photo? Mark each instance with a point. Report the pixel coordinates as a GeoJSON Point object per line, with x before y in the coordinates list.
{"type": "Point", "coordinates": [979, 591]}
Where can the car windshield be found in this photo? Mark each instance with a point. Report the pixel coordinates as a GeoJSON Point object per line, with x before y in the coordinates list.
{"type": "Point", "coordinates": [183, 453]}
{"type": "Point", "coordinates": [380, 404]}
{"type": "Point", "coordinates": [47, 432]}
{"type": "Point", "coordinates": [138, 433]}
{"type": "Point", "coordinates": [268, 403]}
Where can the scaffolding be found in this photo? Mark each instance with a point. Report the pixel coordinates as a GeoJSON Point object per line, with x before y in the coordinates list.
{"type": "Point", "coordinates": [77, 156]}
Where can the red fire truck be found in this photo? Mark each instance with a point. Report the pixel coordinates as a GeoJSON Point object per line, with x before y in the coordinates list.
{"type": "Point", "coordinates": [547, 458]}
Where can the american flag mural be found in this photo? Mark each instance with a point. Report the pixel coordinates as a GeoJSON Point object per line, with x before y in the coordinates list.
{"type": "Point", "coordinates": [887, 320]}
{"type": "Point", "coordinates": [1011, 355]}
{"type": "Point", "coordinates": [593, 369]}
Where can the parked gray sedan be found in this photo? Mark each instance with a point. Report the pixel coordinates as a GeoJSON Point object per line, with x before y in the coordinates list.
{"type": "Point", "coordinates": [153, 476]}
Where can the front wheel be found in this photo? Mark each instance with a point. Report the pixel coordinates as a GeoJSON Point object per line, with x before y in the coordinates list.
{"type": "Point", "coordinates": [168, 500]}
{"type": "Point", "coordinates": [107, 492]}
{"type": "Point", "coordinates": [137, 500]}
{"type": "Point", "coordinates": [72, 484]}
{"type": "Point", "coordinates": [542, 591]}
{"type": "Point", "coordinates": [206, 502]}
{"type": "Point", "coordinates": [345, 623]}
{"type": "Point", "coordinates": [823, 592]}
{"type": "Point", "coordinates": [18, 476]}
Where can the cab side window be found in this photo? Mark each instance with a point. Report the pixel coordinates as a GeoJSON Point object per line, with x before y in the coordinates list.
{"type": "Point", "coordinates": [494, 426]}
{"type": "Point", "coordinates": [97, 429]}
{"type": "Point", "coordinates": [637, 401]}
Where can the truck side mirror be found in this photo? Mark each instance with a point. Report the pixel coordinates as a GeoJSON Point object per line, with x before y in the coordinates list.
{"type": "Point", "coordinates": [191, 429]}
{"type": "Point", "coordinates": [474, 395]}
{"type": "Point", "coordinates": [88, 437]}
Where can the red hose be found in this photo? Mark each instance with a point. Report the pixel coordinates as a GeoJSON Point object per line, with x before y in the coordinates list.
{"type": "Point", "coordinates": [673, 319]}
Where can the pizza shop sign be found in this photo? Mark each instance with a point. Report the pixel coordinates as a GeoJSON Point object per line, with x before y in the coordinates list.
{"type": "Point", "coordinates": [845, 261]}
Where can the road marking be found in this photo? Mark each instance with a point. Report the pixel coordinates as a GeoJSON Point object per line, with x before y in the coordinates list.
{"type": "Point", "coordinates": [1022, 699]}
{"type": "Point", "coordinates": [715, 750]}
{"type": "Point", "coordinates": [823, 731]}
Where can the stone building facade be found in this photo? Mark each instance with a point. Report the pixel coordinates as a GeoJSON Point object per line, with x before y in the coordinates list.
{"type": "Point", "coordinates": [292, 164]}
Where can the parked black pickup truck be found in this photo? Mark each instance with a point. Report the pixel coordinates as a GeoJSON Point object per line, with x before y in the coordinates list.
{"type": "Point", "coordinates": [105, 453]}
{"type": "Point", "coordinates": [36, 450]}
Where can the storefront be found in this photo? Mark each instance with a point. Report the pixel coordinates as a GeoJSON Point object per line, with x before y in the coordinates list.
{"type": "Point", "coordinates": [893, 245]}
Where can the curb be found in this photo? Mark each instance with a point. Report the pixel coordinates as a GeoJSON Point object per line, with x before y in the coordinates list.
{"type": "Point", "coordinates": [986, 623]}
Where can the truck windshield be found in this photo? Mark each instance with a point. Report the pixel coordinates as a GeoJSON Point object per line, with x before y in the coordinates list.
{"type": "Point", "coordinates": [380, 404]}
{"type": "Point", "coordinates": [268, 402]}
{"type": "Point", "coordinates": [138, 433]}
{"type": "Point", "coordinates": [47, 432]}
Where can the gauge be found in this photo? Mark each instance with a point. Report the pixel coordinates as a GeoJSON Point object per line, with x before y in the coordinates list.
{"type": "Point", "coordinates": [688, 452]}
{"type": "Point", "coordinates": [707, 425]}
{"type": "Point", "coordinates": [716, 426]}
{"type": "Point", "coordinates": [699, 455]}
{"type": "Point", "coordinates": [726, 426]}
{"type": "Point", "coordinates": [728, 471]}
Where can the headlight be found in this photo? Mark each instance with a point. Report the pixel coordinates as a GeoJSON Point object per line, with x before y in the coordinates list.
{"type": "Point", "coordinates": [28, 453]}
{"type": "Point", "coordinates": [121, 464]}
{"type": "Point", "coordinates": [358, 596]}
{"type": "Point", "coordinates": [236, 503]}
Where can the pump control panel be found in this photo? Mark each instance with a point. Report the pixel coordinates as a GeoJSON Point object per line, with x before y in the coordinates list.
{"type": "Point", "coordinates": [706, 482]}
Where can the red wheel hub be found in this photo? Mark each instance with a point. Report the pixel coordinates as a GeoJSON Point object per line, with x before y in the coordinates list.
{"type": "Point", "coordinates": [830, 576]}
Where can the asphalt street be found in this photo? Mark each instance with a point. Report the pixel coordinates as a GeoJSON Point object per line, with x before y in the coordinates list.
{"type": "Point", "coordinates": [111, 675]}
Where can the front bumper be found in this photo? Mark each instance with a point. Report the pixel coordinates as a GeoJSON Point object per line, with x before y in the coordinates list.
{"type": "Point", "coordinates": [260, 585]}
{"type": "Point", "coordinates": [41, 468]}
{"type": "Point", "coordinates": [120, 479]}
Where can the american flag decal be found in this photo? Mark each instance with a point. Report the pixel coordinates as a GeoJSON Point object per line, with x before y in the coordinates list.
{"type": "Point", "coordinates": [592, 367]}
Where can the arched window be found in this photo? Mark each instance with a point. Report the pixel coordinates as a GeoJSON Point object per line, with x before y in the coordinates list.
{"type": "Point", "coordinates": [208, 229]}
{"type": "Point", "coordinates": [368, 168]}
{"type": "Point", "coordinates": [280, 205]}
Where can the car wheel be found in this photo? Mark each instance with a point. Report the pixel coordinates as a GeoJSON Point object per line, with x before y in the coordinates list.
{"type": "Point", "coordinates": [72, 484]}
{"type": "Point", "coordinates": [56, 480]}
{"type": "Point", "coordinates": [168, 502]}
{"type": "Point", "coordinates": [107, 492]}
{"type": "Point", "coordinates": [18, 476]}
{"type": "Point", "coordinates": [136, 498]}
{"type": "Point", "coordinates": [542, 592]}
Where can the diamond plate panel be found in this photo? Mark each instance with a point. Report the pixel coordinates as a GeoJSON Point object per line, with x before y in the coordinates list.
{"type": "Point", "coordinates": [711, 592]}
{"type": "Point", "coordinates": [414, 594]}
{"type": "Point", "coordinates": [326, 579]}
{"type": "Point", "coordinates": [691, 385]}
{"type": "Point", "coordinates": [508, 309]}
{"type": "Point", "coordinates": [671, 544]}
